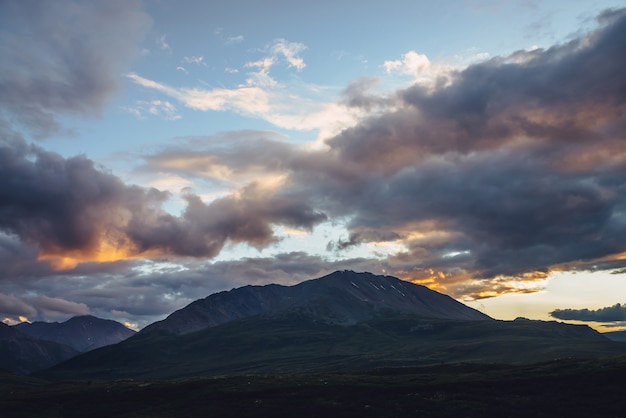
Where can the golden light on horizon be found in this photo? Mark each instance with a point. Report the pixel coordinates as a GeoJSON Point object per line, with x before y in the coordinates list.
{"type": "Point", "coordinates": [106, 253]}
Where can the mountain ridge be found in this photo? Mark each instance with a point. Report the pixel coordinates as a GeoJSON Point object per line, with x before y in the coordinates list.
{"type": "Point", "coordinates": [82, 333]}
{"type": "Point", "coordinates": [343, 297]}
{"type": "Point", "coordinates": [21, 353]}
{"type": "Point", "coordinates": [339, 322]}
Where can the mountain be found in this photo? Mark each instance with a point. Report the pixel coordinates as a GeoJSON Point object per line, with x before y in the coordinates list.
{"type": "Point", "coordinates": [21, 353]}
{"type": "Point", "coordinates": [269, 344]}
{"type": "Point", "coordinates": [82, 333]}
{"type": "Point", "coordinates": [343, 297]}
{"type": "Point", "coordinates": [344, 321]}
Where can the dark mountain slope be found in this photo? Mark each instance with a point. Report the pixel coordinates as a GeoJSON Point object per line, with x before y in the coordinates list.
{"type": "Point", "coordinates": [343, 297]}
{"type": "Point", "coordinates": [294, 344]}
{"type": "Point", "coordinates": [82, 333]}
{"type": "Point", "coordinates": [21, 353]}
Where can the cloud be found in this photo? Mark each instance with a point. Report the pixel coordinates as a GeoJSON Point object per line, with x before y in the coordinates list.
{"type": "Point", "coordinates": [151, 290]}
{"type": "Point", "coordinates": [163, 45]}
{"type": "Point", "coordinates": [613, 313]}
{"type": "Point", "coordinates": [63, 58]}
{"type": "Point", "coordinates": [231, 159]}
{"type": "Point", "coordinates": [13, 307]}
{"type": "Point", "coordinates": [412, 63]}
{"type": "Point", "coordinates": [261, 96]}
{"type": "Point", "coordinates": [51, 306]}
{"type": "Point", "coordinates": [289, 51]}
{"type": "Point", "coordinates": [161, 108]}
{"type": "Point", "coordinates": [195, 59]}
{"type": "Point", "coordinates": [359, 94]}
{"type": "Point", "coordinates": [228, 39]}
{"type": "Point", "coordinates": [74, 212]}
{"type": "Point", "coordinates": [264, 98]}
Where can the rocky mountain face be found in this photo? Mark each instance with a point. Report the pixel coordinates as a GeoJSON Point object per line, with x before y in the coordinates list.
{"type": "Point", "coordinates": [82, 333]}
{"type": "Point", "coordinates": [343, 298]}
{"type": "Point", "coordinates": [21, 353]}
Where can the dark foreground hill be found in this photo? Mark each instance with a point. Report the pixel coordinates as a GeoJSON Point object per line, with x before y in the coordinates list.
{"type": "Point", "coordinates": [263, 344]}
{"type": "Point", "coordinates": [344, 321]}
{"type": "Point", "coordinates": [22, 353]}
{"type": "Point", "coordinates": [563, 388]}
{"type": "Point", "coordinates": [82, 333]}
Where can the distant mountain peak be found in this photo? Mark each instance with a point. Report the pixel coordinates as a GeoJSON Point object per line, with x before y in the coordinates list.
{"type": "Point", "coordinates": [83, 333]}
{"type": "Point", "coordinates": [343, 297]}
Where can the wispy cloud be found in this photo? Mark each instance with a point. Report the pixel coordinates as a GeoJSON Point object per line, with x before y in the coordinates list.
{"type": "Point", "coordinates": [264, 98]}
{"type": "Point", "coordinates": [159, 108]}
{"type": "Point", "coordinates": [195, 59]}
{"type": "Point", "coordinates": [226, 38]}
{"type": "Point", "coordinates": [161, 42]}
{"type": "Point", "coordinates": [290, 52]}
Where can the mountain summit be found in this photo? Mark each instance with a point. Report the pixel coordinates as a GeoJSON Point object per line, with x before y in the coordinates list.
{"type": "Point", "coordinates": [82, 333]}
{"type": "Point", "coordinates": [343, 298]}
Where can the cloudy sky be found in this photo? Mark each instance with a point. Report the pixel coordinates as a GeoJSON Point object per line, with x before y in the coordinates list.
{"type": "Point", "coordinates": [155, 152]}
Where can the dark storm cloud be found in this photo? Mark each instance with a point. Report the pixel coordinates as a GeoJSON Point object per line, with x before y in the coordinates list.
{"type": "Point", "coordinates": [357, 94]}
{"type": "Point", "coordinates": [18, 260]}
{"type": "Point", "coordinates": [70, 207]}
{"type": "Point", "coordinates": [613, 313]}
{"type": "Point", "coordinates": [203, 229]}
{"type": "Point", "coordinates": [63, 57]}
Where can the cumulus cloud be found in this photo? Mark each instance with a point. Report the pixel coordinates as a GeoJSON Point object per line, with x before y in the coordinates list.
{"type": "Point", "coordinates": [613, 313]}
{"type": "Point", "coordinates": [412, 63]}
{"type": "Point", "coordinates": [63, 58]}
{"type": "Point", "coordinates": [73, 211]}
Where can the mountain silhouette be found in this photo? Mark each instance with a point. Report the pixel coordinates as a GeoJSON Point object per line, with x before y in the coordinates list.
{"type": "Point", "coordinates": [82, 333]}
{"type": "Point", "coordinates": [21, 353]}
{"type": "Point", "coordinates": [343, 321]}
{"type": "Point", "coordinates": [343, 297]}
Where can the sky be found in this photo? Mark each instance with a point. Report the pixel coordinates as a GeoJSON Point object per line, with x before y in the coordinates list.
{"type": "Point", "coordinates": [155, 152]}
